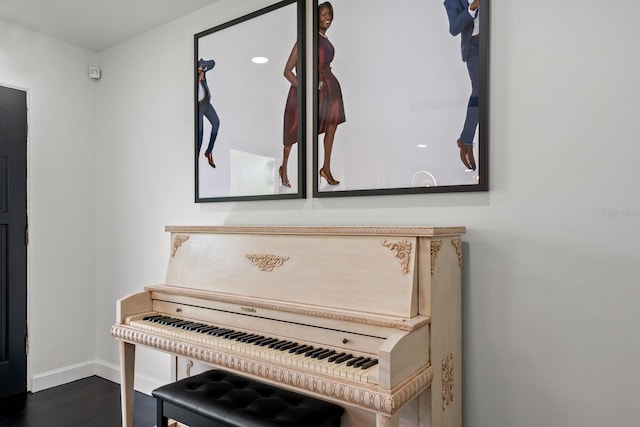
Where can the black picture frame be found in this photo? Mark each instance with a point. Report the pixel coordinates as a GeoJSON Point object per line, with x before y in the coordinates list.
{"type": "Point", "coordinates": [246, 105]}
{"type": "Point", "coordinates": [404, 84]}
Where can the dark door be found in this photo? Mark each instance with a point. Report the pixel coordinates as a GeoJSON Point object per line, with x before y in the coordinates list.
{"type": "Point", "coordinates": [13, 245]}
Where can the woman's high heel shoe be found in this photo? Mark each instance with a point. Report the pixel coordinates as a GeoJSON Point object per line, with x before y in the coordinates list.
{"type": "Point", "coordinates": [283, 179]}
{"type": "Point", "coordinates": [327, 175]}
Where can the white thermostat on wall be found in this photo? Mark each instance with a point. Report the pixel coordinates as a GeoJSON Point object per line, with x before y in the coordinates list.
{"type": "Point", "coordinates": [94, 72]}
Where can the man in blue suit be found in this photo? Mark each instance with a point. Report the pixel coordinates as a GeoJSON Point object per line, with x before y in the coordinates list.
{"type": "Point", "coordinates": [464, 19]}
{"type": "Point", "coordinates": [205, 109]}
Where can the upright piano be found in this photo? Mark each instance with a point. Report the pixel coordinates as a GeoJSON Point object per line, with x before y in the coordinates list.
{"type": "Point", "coordinates": [367, 317]}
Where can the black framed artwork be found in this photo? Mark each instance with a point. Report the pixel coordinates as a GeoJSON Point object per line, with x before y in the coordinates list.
{"type": "Point", "coordinates": [400, 97]}
{"type": "Point", "coordinates": [250, 119]}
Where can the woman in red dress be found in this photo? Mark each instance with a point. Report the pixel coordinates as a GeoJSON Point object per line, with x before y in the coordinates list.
{"type": "Point", "coordinates": [330, 104]}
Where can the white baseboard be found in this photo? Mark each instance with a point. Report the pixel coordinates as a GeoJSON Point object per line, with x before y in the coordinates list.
{"type": "Point", "coordinates": [61, 376]}
{"type": "Point", "coordinates": [108, 371]}
{"type": "Point", "coordinates": [142, 383]}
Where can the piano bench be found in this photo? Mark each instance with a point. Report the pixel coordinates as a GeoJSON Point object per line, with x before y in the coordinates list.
{"type": "Point", "coordinates": [218, 398]}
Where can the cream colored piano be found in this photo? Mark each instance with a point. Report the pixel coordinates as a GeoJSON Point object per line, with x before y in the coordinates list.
{"type": "Point", "coordinates": [368, 317]}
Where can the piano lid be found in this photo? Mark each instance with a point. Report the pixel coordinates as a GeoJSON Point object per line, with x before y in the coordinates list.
{"type": "Point", "coordinates": [373, 270]}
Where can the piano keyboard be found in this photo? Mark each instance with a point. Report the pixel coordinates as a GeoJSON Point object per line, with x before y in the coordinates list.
{"type": "Point", "coordinates": [318, 359]}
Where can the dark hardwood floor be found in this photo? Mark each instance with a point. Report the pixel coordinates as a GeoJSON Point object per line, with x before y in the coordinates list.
{"type": "Point", "coordinates": [90, 402]}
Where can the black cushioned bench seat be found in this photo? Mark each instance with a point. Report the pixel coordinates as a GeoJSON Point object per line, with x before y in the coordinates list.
{"type": "Point", "coordinates": [218, 398]}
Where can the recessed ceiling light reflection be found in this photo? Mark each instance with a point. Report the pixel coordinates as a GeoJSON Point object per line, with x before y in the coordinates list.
{"type": "Point", "coordinates": [422, 145]}
{"type": "Point", "coordinates": [259, 60]}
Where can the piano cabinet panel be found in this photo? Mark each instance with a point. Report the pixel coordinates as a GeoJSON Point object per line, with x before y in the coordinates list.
{"type": "Point", "coordinates": [444, 305]}
{"type": "Point", "coordinates": [324, 270]}
{"type": "Point", "coordinates": [133, 304]}
{"type": "Point", "coordinates": [402, 355]}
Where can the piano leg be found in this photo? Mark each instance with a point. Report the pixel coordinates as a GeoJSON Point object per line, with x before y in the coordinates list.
{"type": "Point", "coordinates": [388, 421]}
{"type": "Point", "coordinates": [127, 367]}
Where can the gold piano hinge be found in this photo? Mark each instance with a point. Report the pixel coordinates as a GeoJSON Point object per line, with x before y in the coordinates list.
{"type": "Point", "coordinates": [448, 381]}
{"type": "Point", "coordinates": [267, 262]}
{"type": "Point", "coordinates": [177, 242]}
{"type": "Point", "coordinates": [457, 243]}
{"type": "Point", "coordinates": [435, 247]}
{"type": "Point", "coordinates": [402, 251]}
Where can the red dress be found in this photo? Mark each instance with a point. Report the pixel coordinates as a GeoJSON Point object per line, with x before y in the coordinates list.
{"type": "Point", "coordinates": [330, 104]}
{"type": "Point", "coordinates": [290, 131]}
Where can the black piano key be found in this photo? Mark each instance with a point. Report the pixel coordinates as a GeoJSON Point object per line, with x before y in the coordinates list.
{"type": "Point", "coordinates": [326, 354]}
{"type": "Point", "coordinates": [248, 337]}
{"type": "Point", "coordinates": [191, 326]}
{"type": "Point", "coordinates": [240, 336]}
{"type": "Point", "coordinates": [276, 343]}
{"type": "Point", "coordinates": [297, 347]}
{"type": "Point", "coordinates": [369, 364]}
{"type": "Point", "coordinates": [265, 342]}
{"type": "Point", "coordinates": [344, 358]}
{"type": "Point", "coordinates": [361, 362]}
{"type": "Point", "coordinates": [231, 335]}
{"type": "Point", "coordinates": [335, 356]}
{"type": "Point", "coordinates": [287, 346]}
{"type": "Point", "coordinates": [304, 349]}
{"type": "Point", "coordinates": [320, 353]}
{"type": "Point", "coordinates": [352, 361]}
{"type": "Point", "coordinates": [167, 320]}
{"type": "Point", "coordinates": [270, 342]}
{"type": "Point", "coordinates": [198, 326]}
{"type": "Point", "coordinates": [184, 323]}
{"type": "Point", "coordinates": [252, 338]}
{"type": "Point", "coordinates": [178, 324]}
{"type": "Point", "coordinates": [312, 353]}
{"type": "Point", "coordinates": [206, 329]}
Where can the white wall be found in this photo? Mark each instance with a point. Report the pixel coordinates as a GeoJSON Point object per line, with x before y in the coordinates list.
{"type": "Point", "coordinates": [550, 290]}
{"type": "Point", "coordinates": [61, 201]}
